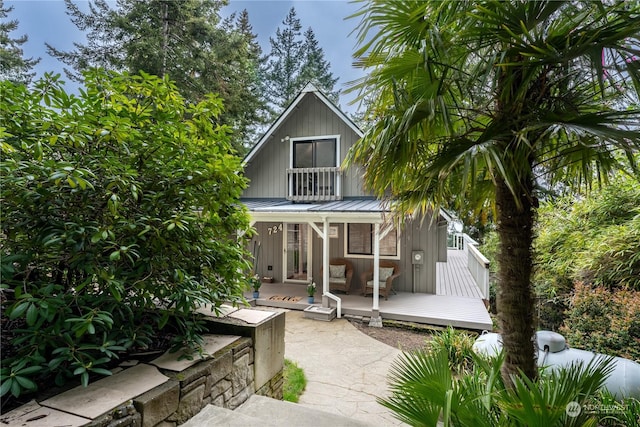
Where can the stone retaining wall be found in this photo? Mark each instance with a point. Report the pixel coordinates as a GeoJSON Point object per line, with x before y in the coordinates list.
{"type": "Point", "coordinates": [167, 392]}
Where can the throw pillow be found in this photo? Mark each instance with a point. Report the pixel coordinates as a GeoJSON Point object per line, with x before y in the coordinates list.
{"type": "Point", "coordinates": [385, 273]}
{"type": "Point", "coordinates": [337, 270]}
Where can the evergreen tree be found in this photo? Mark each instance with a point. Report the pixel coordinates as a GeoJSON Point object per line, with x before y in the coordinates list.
{"type": "Point", "coordinates": [184, 40]}
{"type": "Point", "coordinates": [13, 66]}
{"type": "Point", "coordinates": [244, 59]}
{"type": "Point", "coordinates": [284, 62]}
{"type": "Point", "coordinates": [315, 68]}
{"type": "Point", "coordinates": [104, 40]}
{"type": "Point", "coordinates": [294, 61]}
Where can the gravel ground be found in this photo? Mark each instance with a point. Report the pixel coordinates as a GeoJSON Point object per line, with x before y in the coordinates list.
{"type": "Point", "coordinates": [402, 335]}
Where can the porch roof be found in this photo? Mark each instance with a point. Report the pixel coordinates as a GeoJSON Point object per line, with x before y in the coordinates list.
{"type": "Point", "coordinates": [367, 210]}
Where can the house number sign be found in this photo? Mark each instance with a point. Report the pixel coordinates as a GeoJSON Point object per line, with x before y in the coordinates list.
{"type": "Point", "coordinates": [275, 229]}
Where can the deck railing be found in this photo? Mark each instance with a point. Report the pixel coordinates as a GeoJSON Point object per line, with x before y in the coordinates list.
{"type": "Point", "coordinates": [314, 184]}
{"type": "Point", "coordinates": [478, 265]}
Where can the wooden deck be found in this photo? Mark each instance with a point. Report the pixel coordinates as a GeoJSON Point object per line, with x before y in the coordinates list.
{"type": "Point", "coordinates": [441, 310]}
{"type": "Point", "coordinates": [454, 278]}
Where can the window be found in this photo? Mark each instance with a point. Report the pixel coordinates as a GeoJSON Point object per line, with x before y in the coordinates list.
{"type": "Point", "coordinates": [360, 241]}
{"type": "Point", "coordinates": [314, 153]}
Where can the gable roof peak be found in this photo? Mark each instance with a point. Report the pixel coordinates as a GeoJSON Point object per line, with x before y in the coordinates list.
{"type": "Point", "coordinates": [310, 88]}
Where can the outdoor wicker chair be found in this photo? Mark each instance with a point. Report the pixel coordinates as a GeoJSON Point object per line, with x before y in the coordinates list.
{"type": "Point", "coordinates": [340, 273]}
{"type": "Point", "coordinates": [389, 270]}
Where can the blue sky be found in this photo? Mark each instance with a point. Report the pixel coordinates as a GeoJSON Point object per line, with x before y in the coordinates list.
{"type": "Point", "coordinates": [46, 21]}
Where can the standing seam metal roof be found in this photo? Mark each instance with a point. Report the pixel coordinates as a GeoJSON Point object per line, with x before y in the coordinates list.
{"type": "Point", "coordinates": [346, 205]}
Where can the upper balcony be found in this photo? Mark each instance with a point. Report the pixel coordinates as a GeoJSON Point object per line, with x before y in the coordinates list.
{"type": "Point", "coordinates": [314, 184]}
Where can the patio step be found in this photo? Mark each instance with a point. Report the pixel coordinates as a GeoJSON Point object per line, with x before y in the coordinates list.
{"type": "Point", "coordinates": [317, 312]}
{"type": "Point", "coordinates": [260, 411]}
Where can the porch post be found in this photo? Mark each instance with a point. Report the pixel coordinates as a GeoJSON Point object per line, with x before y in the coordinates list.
{"type": "Point", "coordinates": [325, 262]}
{"type": "Point", "coordinates": [376, 320]}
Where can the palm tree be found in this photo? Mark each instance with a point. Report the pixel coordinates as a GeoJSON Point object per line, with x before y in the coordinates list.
{"type": "Point", "coordinates": [498, 101]}
{"type": "Point", "coordinates": [425, 391]}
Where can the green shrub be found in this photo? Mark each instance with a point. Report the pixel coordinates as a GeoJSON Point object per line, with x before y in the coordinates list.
{"type": "Point", "coordinates": [457, 344]}
{"type": "Point", "coordinates": [604, 321]}
{"type": "Point", "coordinates": [594, 239]}
{"type": "Point", "coordinates": [294, 381]}
{"type": "Point", "coordinates": [617, 413]}
{"type": "Point", "coordinates": [119, 213]}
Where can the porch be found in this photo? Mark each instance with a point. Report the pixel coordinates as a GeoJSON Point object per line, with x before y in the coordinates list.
{"type": "Point", "coordinates": [440, 310]}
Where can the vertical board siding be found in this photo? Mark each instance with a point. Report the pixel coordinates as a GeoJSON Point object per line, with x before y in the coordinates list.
{"type": "Point", "coordinates": [267, 170]}
{"type": "Point", "coordinates": [270, 250]}
{"type": "Point", "coordinates": [417, 235]}
{"type": "Point", "coordinates": [267, 174]}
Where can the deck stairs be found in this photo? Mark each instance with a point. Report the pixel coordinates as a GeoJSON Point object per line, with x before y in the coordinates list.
{"type": "Point", "coordinates": [260, 411]}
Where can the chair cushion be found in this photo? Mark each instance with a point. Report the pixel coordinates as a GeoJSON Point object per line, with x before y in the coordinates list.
{"type": "Point", "coordinates": [337, 270]}
{"type": "Point", "coordinates": [381, 286]}
{"type": "Point", "coordinates": [385, 273]}
{"type": "Point", "coordinates": [341, 280]}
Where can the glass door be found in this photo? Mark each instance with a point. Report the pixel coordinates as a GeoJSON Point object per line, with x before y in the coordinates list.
{"type": "Point", "coordinates": [309, 154]}
{"type": "Point", "coordinates": [296, 252]}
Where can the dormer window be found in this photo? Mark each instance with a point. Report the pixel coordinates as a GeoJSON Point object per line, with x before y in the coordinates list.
{"type": "Point", "coordinates": [314, 174]}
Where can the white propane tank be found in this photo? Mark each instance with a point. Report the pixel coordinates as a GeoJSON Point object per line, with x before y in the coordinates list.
{"type": "Point", "coordinates": [554, 353]}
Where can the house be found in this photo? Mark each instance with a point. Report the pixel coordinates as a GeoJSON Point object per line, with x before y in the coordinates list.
{"type": "Point", "coordinates": [308, 210]}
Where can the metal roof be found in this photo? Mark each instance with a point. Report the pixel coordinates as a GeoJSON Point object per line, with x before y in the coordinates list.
{"type": "Point", "coordinates": [365, 210]}
{"type": "Point", "coordinates": [346, 205]}
{"type": "Point", "coordinates": [359, 205]}
{"type": "Point", "coordinates": [347, 210]}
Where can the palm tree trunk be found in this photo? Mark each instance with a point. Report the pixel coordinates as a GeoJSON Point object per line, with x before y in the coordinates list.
{"type": "Point", "coordinates": [515, 297]}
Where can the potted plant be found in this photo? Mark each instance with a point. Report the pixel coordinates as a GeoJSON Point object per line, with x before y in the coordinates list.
{"type": "Point", "coordinates": [255, 284]}
{"type": "Point", "coordinates": [311, 290]}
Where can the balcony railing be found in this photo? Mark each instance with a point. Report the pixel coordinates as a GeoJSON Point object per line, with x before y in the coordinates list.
{"type": "Point", "coordinates": [314, 184]}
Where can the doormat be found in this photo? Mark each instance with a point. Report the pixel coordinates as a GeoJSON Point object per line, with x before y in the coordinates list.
{"type": "Point", "coordinates": [285, 298]}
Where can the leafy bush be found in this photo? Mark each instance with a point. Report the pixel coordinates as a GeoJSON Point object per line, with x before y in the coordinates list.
{"type": "Point", "coordinates": [617, 413]}
{"type": "Point", "coordinates": [457, 344]}
{"type": "Point", "coordinates": [593, 240]}
{"type": "Point", "coordinates": [115, 203]}
{"type": "Point", "coordinates": [604, 321]}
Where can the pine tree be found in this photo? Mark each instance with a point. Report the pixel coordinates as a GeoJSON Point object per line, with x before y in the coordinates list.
{"type": "Point", "coordinates": [246, 102]}
{"type": "Point", "coordinates": [13, 66]}
{"type": "Point", "coordinates": [315, 68]}
{"type": "Point", "coordinates": [294, 61]}
{"type": "Point", "coordinates": [104, 40]}
{"type": "Point", "coordinates": [285, 62]}
{"type": "Point", "coordinates": [184, 40]}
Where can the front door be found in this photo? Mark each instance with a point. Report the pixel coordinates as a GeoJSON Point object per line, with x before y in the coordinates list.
{"type": "Point", "coordinates": [297, 253]}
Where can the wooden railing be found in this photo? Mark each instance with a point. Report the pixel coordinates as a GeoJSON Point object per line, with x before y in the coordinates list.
{"type": "Point", "coordinates": [314, 184]}
{"type": "Point", "coordinates": [478, 265]}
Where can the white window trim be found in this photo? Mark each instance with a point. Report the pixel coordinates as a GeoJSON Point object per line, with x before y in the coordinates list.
{"type": "Point", "coordinates": [361, 256]}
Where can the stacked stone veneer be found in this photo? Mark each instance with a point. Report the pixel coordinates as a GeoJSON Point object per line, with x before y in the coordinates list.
{"type": "Point", "coordinates": [167, 391]}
